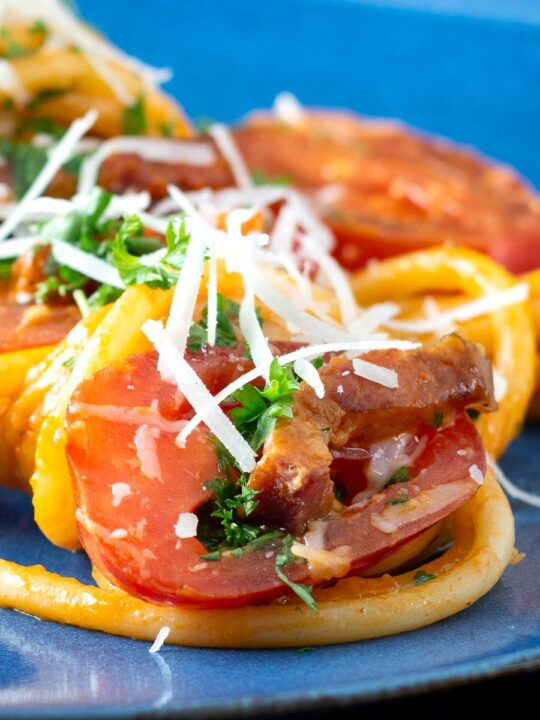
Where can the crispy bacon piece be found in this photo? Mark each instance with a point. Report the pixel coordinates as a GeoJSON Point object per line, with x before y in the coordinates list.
{"type": "Point", "coordinates": [293, 476]}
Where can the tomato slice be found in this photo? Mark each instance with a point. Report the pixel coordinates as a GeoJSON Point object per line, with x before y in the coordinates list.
{"type": "Point", "coordinates": [385, 189]}
{"type": "Point", "coordinates": [131, 536]}
{"type": "Point", "coordinates": [29, 326]}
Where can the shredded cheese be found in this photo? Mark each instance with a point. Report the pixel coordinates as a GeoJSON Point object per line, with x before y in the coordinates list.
{"type": "Point", "coordinates": [375, 373]}
{"type": "Point", "coordinates": [230, 152]}
{"type": "Point", "coordinates": [513, 490]}
{"type": "Point", "coordinates": [157, 149]}
{"type": "Point", "coordinates": [199, 396]}
{"type": "Point", "coordinates": [87, 264]}
{"type": "Point", "coordinates": [488, 303]}
{"type": "Point", "coordinates": [162, 635]}
{"type": "Point", "coordinates": [120, 490]}
{"type": "Point", "coordinates": [145, 444]}
{"type": "Point", "coordinates": [307, 372]}
{"type": "Point", "coordinates": [186, 525]}
{"type": "Point", "coordinates": [476, 474]}
{"type": "Point", "coordinates": [309, 352]}
{"type": "Point", "coordinates": [287, 109]}
{"type": "Point", "coordinates": [58, 155]}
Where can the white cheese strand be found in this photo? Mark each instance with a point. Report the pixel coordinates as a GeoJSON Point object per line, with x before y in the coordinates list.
{"type": "Point", "coordinates": [58, 155]}
{"type": "Point", "coordinates": [198, 395]}
{"type": "Point", "coordinates": [11, 85]}
{"type": "Point", "coordinates": [212, 288]}
{"type": "Point", "coordinates": [154, 149]}
{"type": "Point", "coordinates": [288, 109]}
{"type": "Point", "coordinates": [18, 246]}
{"type": "Point", "coordinates": [375, 373]}
{"type": "Point", "coordinates": [240, 259]}
{"type": "Point", "coordinates": [87, 264]}
{"type": "Point", "coordinates": [309, 374]}
{"type": "Point", "coordinates": [162, 635]}
{"type": "Point", "coordinates": [511, 489]}
{"type": "Point", "coordinates": [186, 525]}
{"type": "Point", "coordinates": [145, 444]}
{"type": "Point", "coordinates": [314, 329]}
{"type": "Point", "coordinates": [181, 200]}
{"type": "Point", "coordinates": [336, 276]}
{"type": "Point", "coordinates": [187, 287]}
{"type": "Point", "coordinates": [309, 352]}
{"type": "Point", "coordinates": [108, 74]}
{"type": "Point", "coordinates": [488, 303]}
{"type": "Point", "coordinates": [230, 152]}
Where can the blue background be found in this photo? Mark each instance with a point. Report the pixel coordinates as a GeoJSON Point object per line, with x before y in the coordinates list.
{"type": "Point", "coordinates": [473, 75]}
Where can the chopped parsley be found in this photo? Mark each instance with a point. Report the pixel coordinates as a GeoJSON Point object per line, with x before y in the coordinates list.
{"type": "Point", "coordinates": [437, 420]}
{"type": "Point", "coordinates": [167, 128]}
{"type": "Point", "coordinates": [134, 118]}
{"type": "Point", "coordinates": [203, 124]}
{"type": "Point", "coordinates": [227, 310]}
{"type": "Point", "coordinates": [12, 49]}
{"type": "Point", "coordinates": [5, 269]}
{"type": "Point", "coordinates": [130, 245]}
{"type": "Point", "coordinates": [400, 500]}
{"type": "Point", "coordinates": [260, 409]}
{"type": "Point", "coordinates": [261, 178]}
{"type": "Point", "coordinates": [69, 363]}
{"type": "Point", "coordinates": [39, 27]}
{"type": "Point", "coordinates": [27, 161]}
{"type": "Point", "coordinates": [340, 492]}
{"type": "Point", "coordinates": [232, 502]}
{"type": "Point", "coordinates": [43, 95]}
{"type": "Point", "coordinates": [422, 577]}
{"type": "Point", "coordinates": [285, 558]}
{"type": "Point", "coordinates": [401, 475]}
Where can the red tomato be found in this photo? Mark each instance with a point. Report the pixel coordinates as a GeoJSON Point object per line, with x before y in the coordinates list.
{"type": "Point", "coordinates": [29, 326]}
{"type": "Point", "coordinates": [385, 189]}
{"type": "Point", "coordinates": [132, 539]}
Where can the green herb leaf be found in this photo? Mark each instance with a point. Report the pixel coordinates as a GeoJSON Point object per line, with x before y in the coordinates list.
{"type": "Point", "coordinates": [130, 264]}
{"type": "Point", "coordinates": [134, 119]}
{"type": "Point", "coordinates": [285, 558]}
{"type": "Point", "coordinates": [261, 178]}
{"type": "Point", "coordinates": [70, 362]}
{"type": "Point", "coordinates": [43, 95]}
{"type": "Point", "coordinates": [39, 27]}
{"type": "Point", "coordinates": [400, 500]}
{"type": "Point", "coordinates": [5, 269]}
{"type": "Point", "coordinates": [232, 502]}
{"type": "Point", "coordinates": [259, 409]}
{"type": "Point", "coordinates": [401, 475]}
{"type": "Point", "coordinates": [437, 420]}
{"type": "Point", "coordinates": [422, 577]}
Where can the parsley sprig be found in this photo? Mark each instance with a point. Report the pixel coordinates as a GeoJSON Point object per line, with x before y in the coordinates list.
{"type": "Point", "coordinates": [130, 246]}
{"type": "Point", "coordinates": [233, 500]}
{"type": "Point", "coordinates": [286, 557]}
{"type": "Point", "coordinates": [259, 410]}
{"type": "Point", "coordinates": [227, 312]}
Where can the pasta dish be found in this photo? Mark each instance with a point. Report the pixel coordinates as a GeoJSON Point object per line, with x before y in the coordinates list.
{"type": "Point", "coordinates": [261, 375]}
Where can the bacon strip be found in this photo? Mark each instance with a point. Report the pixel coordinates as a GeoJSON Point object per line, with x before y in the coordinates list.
{"type": "Point", "coordinates": [293, 476]}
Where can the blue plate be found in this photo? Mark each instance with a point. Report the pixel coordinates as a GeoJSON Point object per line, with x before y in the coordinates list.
{"type": "Point", "coordinates": [48, 670]}
{"type": "Point", "coordinates": [440, 72]}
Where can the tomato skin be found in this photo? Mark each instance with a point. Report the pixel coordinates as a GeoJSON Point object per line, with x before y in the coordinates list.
{"type": "Point", "coordinates": [398, 190]}
{"type": "Point", "coordinates": [48, 326]}
{"type": "Point", "coordinates": [132, 541]}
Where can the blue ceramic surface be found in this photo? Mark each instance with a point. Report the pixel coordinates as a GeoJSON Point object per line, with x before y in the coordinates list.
{"type": "Point", "coordinates": [466, 77]}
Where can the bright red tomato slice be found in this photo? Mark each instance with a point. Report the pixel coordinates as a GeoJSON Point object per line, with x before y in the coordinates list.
{"type": "Point", "coordinates": [29, 326]}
